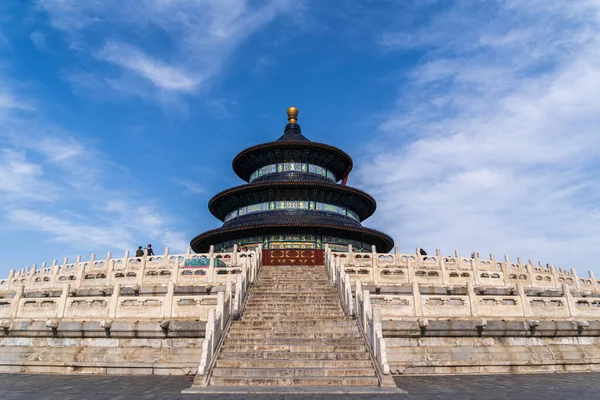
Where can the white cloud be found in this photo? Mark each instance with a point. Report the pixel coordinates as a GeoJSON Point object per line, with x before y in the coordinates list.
{"type": "Point", "coordinates": [64, 188]}
{"type": "Point", "coordinates": [191, 187]}
{"type": "Point", "coordinates": [161, 75]}
{"type": "Point", "coordinates": [158, 46]}
{"type": "Point", "coordinates": [39, 40]}
{"type": "Point", "coordinates": [22, 179]}
{"type": "Point", "coordinates": [493, 145]}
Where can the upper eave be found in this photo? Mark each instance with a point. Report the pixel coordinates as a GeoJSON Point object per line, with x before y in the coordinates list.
{"type": "Point", "coordinates": [324, 155]}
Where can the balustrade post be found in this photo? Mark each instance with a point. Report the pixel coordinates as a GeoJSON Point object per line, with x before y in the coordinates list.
{"type": "Point", "coordinates": [348, 294]}
{"type": "Point", "coordinates": [594, 281]}
{"type": "Point", "coordinates": [234, 257]}
{"type": "Point", "coordinates": [418, 305]}
{"type": "Point", "coordinates": [62, 301]}
{"type": "Point", "coordinates": [80, 271]}
{"type": "Point", "coordinates": [15, 301]}
{"type": "Point", "coordinates": [374, 265]}
{"type": "Point", "coordinates": [175, 269]}
{"type": "Point", "coordinates": [11, 277]}
{"type": "Point", "coordinates": [571, 307]}
{"type": "Point", "coordinates": [366, 308]}
{"type": "Point", "coordinates": [574, 273]}
{"type": "Point", "coordinates": [475, 270]}
{"type": "Point", "coordinates": [114, 301]}
{"type": "Point", "coordinates": [228, 295]}
{"type": "Point", "coordinates": [167, 311]}
{"type": "Point", "coordinates": [126, 256]}
{"type": "Point", "coordinates": [237, 298]}
{"type": "Point", "coordinates": [358, 298]}
{"type": "Point", "coordinates": [142, 270]}
{"type": "Point", "coordinates": [109, 268]}
{"type": "Point", "coordinates": [221, 310]}
{"type": "Point", "coordinates": [442, 267]}
{"type": "Point", "coordinates": [524, 300]}
{"type": "Point", "coordinates": [350, 257]}
{"type": "Point", "coordinates": [409, 270]}
{"type": "Point", "coordinates": [473, 301]}
{"type": "Point", "coordinates": [210, 271]}
{"type": "Point", "coordinates": [396, 257]}
{"type": "Point", "coordinates": [504, 269]}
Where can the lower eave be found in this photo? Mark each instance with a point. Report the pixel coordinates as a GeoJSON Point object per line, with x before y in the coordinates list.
{"type": "Point", "coordinates": [202, 242]}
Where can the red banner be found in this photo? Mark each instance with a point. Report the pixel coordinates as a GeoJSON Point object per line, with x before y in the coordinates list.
{"type": "Point", "coordinates": [293, 257]}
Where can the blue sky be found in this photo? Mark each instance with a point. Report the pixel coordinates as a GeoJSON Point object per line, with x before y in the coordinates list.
{"type": "Point", "coordinates": [474, 124]}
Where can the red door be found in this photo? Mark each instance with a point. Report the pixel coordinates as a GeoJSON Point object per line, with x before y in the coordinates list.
{"type": "Point", "coordinates": [293, 257]}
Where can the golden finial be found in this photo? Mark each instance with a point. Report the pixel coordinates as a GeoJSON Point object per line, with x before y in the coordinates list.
{"type": "Point", "coordinates": [292, 113]}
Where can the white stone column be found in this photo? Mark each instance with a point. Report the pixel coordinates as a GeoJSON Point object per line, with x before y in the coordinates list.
{"type": "Point", "coordinates": [15, 301]}
{"type": "Point", "coordinates": [167, 311]}
{"type": "Point", "coordinates": [62, 301]}
{"type": "Point", "coordinates": [109, 268]}
{"type": "Point", "coordinates": [9, 281]}
{"type": "Point", "coordinates": [416, 292]}
{"type": "Point", "coordinates": [524, 300]}
{"type": "Point", "coordinates": [572, 308]}
{"type": "Point", "coordinates": [473, 301]}
{"type": "Point", "coordinates": [114, 301]}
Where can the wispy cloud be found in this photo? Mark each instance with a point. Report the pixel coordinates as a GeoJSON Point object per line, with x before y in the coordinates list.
{"type": "Point", "coordinates": [157, 72]}
{"type": "Point", "coordinates": [157, 46]}
{"type": "Point", "coordinates": [190, 187]}
{"type": "Point", "coordinates": [55, 184]}
{"type": "Point", "coordinates": [493, 144]}
{"type": "Point", "coordinates": [39, 40]}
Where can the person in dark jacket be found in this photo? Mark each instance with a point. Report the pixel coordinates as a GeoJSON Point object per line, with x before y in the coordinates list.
{"type": "Point", "coordinates": [149, 251]}
{"type": "Point", "coordinates": [139, 252]}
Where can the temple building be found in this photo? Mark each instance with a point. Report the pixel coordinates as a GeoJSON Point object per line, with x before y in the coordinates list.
{"type": "Point", "coordinates": [295, 197]}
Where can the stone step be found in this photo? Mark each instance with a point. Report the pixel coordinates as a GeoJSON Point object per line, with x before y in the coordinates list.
{"type": "Point", "coordinates": [280, 355]}
{"type": "Point", "coordinates": [323, 280]}
{"type": "Point", "coordinates": [293, 364]}
{"type": "Point", "coordinates": [295, 311]}
{"type": "Point", "coordinates": [296, 335]}
{"type": "Point", "coordinates": [296, 296]}
{"type": "Point", "coordinates": [277, 324]}
{"type": "Point", "coordinates": [300, 381]}
{"type": "Point", "coordinates": [306, 300]}
{"type": "Point", "coordinates": [290, 315]}
{"type": "Point", "coordinates": [294, 288]}
{"type": "Point", "coordinates": [291, 372]}
{"type": "Point", "coordinates": [292, 330]}
{"type": "Point", "coordinates": [256, 306]}
{"type": "Point", "coordinates": [232, 347]}
{"type": "Point", "coordinates": [297, 292]}
{"type": "Point", "coordinates": [309, 317]}
{"type": "Point", "coordinates": [292, 341]}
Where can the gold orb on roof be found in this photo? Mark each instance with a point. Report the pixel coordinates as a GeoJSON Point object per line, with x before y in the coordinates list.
{"type": "Point", "coordinates": [292, 113]}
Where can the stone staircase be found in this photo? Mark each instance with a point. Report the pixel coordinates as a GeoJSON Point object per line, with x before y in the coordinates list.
{"type": "Point", "coordinates": [294, 333]}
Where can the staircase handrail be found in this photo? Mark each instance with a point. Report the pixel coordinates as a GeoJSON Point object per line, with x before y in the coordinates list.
{"type": "Point", "coordinates": [229, 305]}
{"type": "Point", "coordinates": [369, 318]}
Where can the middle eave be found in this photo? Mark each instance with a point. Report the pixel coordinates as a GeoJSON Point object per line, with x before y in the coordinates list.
{"type": "Point", "coordinates": [344, 196]}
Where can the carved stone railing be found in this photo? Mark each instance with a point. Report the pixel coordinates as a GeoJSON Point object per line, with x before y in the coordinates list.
{"type": "Point", "coordinates": [369, 318]}
{"type": "Point", "coordinates": [228, 307]}
{"type": "Point", "coordinates": [215, 268]}
{"type": "Point", "coordinates": [381, 269]}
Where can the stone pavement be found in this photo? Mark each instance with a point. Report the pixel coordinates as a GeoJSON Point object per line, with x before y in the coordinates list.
{"type": "Point", "coordinates": [585, 386]}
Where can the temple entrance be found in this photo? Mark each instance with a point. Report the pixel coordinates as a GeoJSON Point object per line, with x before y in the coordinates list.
{"type": "Point", "coordinates": [293, 257]}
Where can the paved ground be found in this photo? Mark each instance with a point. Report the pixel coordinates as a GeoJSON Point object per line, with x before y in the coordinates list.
{"type": "Point", "coordinates": [516, 387]}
